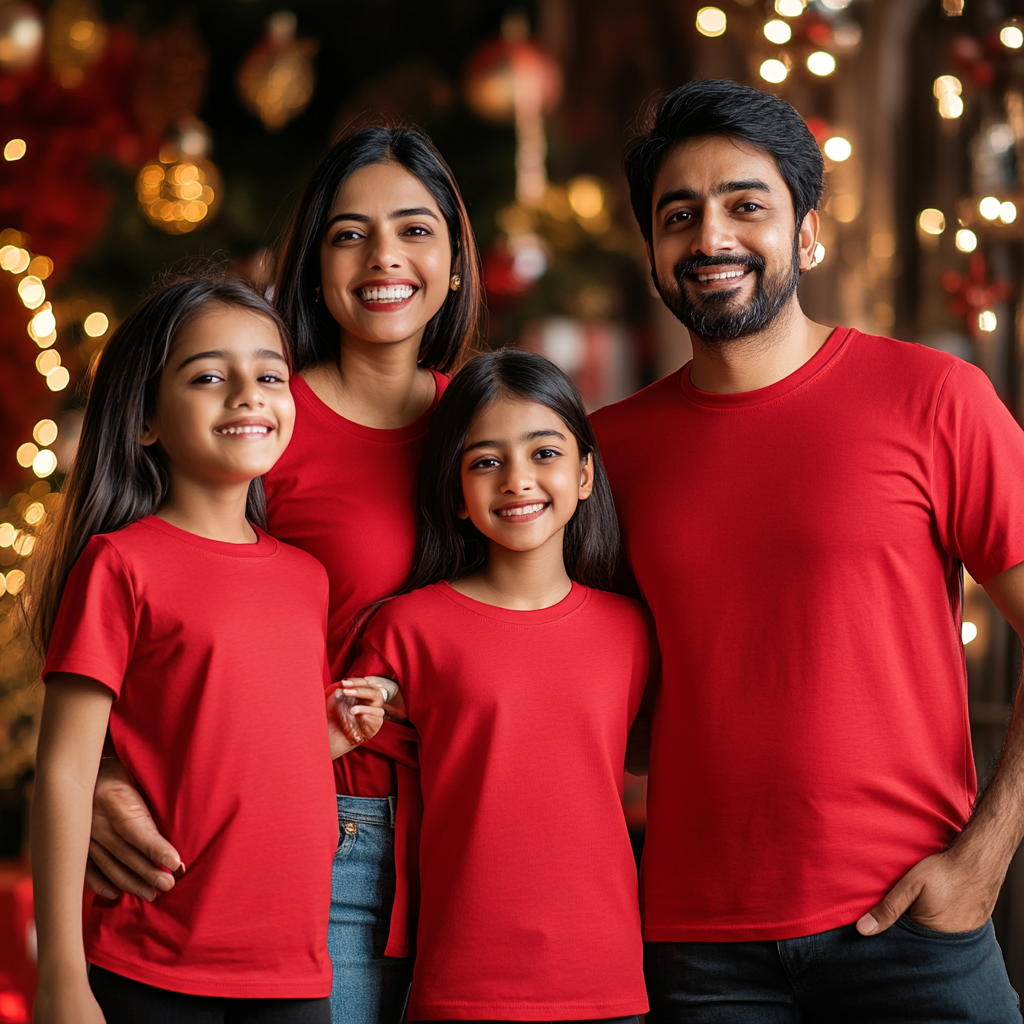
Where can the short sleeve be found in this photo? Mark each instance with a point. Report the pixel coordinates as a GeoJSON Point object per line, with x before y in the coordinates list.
{"type": "Point", "coordinates": [375, 653]}
{"type": "Point", "coordinates": [978, 475]}
{"type": "Point", "coordinates": [94, 634]}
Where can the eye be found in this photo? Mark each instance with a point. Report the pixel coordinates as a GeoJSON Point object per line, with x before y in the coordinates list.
{"type": "Point", "coordinates": [210, 377]}
{"type": "Point", "coordinates": [418, 230]}
{"type": "Point", "coordinates": [679, 217]}
{"type": "Point", "coordinates": [749, 207]}
{"type": "Point", "coordinates": [347, 235]}
{"type": "Point", "coordinates": [547, 453]}
{"type": "Point", "coordinates": [272, 377]}
{"type": "Point", "coordinates": [487, 462]}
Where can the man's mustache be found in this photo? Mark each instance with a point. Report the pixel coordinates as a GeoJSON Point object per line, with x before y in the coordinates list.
{"type": "Point", "coordinates": [698, 263]}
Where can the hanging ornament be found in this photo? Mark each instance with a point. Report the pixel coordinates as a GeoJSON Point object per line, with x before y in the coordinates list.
{"type": "Point", "coordinates": [276, 80]}
{"type": "Point", "coordinates": [511, 79]}
{"type": "Point", "coordinates": [21, 36]}
{"type": "Point", "coordinates": [181, 190]}
{"type": "Point", "coordinates": [972, 295]}
{"type": "Point", "coordinates": [76, 36]}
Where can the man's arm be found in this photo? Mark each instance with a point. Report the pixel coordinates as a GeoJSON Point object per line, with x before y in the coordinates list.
{"type": "Point", "coordinates": [955, 891]}
{"type": "Point", "coordinates": [126, 847]}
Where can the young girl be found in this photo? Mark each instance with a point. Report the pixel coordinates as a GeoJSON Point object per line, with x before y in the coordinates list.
{"type": "Point", "coordinates": [528, 887]}
{"type": "Point", "coordinates": [199, 641]}
{"type": "Point", "coordinates": [379, 282]}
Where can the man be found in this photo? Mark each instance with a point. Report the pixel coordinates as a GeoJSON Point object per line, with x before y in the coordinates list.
{"type": "Point", "coordinates": [796, 505]}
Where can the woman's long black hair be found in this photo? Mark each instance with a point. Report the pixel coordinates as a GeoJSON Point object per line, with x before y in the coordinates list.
{"type": "Point", "coordinates": [115, 479]}
{"type": "Point", "coordinates": [447, 547]}
{"type": "Point", "coordinates": [455, 327]}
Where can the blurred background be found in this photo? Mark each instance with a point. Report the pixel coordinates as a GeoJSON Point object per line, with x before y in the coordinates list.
{"type": "Point", "coordinates": [136, 133]}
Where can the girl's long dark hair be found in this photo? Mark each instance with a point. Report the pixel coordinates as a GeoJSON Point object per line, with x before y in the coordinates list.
{"type": "Point", "coordinates": [114, 479]}
{"type": "Point", "coordinates": [447, 547]}
{"type": "Point", "coordinates": [457, 324]}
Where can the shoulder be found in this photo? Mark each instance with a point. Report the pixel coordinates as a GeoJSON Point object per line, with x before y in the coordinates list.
{"type": "Point", "coordinates": [408, 609]}
{"type": "Point", "coordinates": [913, 361]}
{"type": "Point", "coordinates": [621, 609]}
{"type": "Point", "coordinates": [639, 406]}
{"type": "Point", "coordinates": [298, 560]}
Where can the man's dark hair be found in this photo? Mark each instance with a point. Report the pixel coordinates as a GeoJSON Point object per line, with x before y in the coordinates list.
{"type": "Point", "coordinates": [719, 107]}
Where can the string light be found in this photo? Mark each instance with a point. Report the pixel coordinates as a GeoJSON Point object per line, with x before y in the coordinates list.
{"type": "Point", "coordinates": [1007, 212]}
{"type": "Point", "coordinates": [45, 432]}
{"type": "Point", "coordinates": [96, 325]}
{"type": "Point", "coordinates": [58, 378]}
{"type": "Point", "coordinates": [16, 148]}
{"type": "Point", "coordinates": [838, 149]}
{"type": "Point", "coordinates": [821, 63]}
{"type": "Point", "coordinates": [987, 321]}
{"type": "Point", "coordinates": [968, 632]}
{"type": "Point", "coordinates": [931, 221]}
{"type": "Point", "coordinates": [1011, 37]}
{"type": "Point", "coordinates": [948, 91]}
{"type": "Point", "coordinates": [789, 8]}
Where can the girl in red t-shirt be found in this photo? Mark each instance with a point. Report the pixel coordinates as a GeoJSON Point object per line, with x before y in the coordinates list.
{"type": "Point", "coordinates": [528, 907]}
{"type": "Point", "coordinates": [196, 642]}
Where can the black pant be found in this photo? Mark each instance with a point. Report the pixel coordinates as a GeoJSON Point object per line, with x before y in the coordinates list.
{"type": "Point", "coordinates": [124, 1001]}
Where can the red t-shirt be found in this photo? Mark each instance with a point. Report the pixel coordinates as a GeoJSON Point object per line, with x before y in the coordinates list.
{"type": "Point", "coordinates": [799, 547]}
{"type": "Point", "coordinates": [216, 655]}
{"type": "Point", "coordinates": [529, 904]}
{"type": "Point", "coordinates": [347, 494]}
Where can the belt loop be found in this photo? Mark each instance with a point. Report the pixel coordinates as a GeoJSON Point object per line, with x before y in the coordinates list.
{"type": "Point", "coordinates": [392, 805]}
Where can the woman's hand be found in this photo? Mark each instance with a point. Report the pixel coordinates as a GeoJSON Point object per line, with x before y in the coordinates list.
{"type": "Point", "coordinates": [355, 714]}
{"type": "Point", "coordinates": [126, 852]}
{"type": "Point", "coordinates": [66, 1002]}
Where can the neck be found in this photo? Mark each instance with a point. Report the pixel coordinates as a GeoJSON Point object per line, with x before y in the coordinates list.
{"type": "Point", "coordinates": [217, 513]}
{"type": "Point", "coordinates": [757, 360]}
{"type": "Point", "coordinates": [376, 384]}
{"type": "Point", "coordinates": [520, 580]}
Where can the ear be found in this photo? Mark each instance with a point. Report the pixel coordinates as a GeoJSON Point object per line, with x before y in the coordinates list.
{"type": "Point", "coordinates": [148, 436]}
{"type": "Point", "coordinates": [586, 477]}
{"type": "Point", "coordinates": [650, 253]}
{"type": "Point", "coordinates": [808, 239]}
{"type": "Point", "coordinates": [463, 512]}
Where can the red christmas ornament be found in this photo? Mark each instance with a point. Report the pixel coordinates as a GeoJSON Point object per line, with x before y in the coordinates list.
{"type": "Point", "coordinates": [973, 293]}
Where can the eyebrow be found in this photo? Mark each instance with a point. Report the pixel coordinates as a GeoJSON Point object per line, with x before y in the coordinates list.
{"type": "Point", "coordinates": [532, 435]}
{"type": "Point", "coordinates": [362, 218]}
{"type": "Point", "coordinates": [723, 188]}
{"type": "Point", "coordinates": [260, 353]}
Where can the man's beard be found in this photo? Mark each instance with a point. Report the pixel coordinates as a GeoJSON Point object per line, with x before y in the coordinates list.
{"type": "Point", "coordinates": [714, 317]}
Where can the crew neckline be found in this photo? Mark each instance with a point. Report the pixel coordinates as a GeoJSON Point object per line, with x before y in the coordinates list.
{"type": "Point", "coordinates": [264, 546]}
{"type": "Point", "coordinates": [578, 595]}
{"type": "Point", "coordinates": [832, 348]}
{"type": "Point", "coordinates": [387, 435]}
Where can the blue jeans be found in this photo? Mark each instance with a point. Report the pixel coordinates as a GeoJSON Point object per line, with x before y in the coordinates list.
{"type": "Point", "coordinates": [908, 974]}
{"type": "Point", "coordinates": [369, 988]}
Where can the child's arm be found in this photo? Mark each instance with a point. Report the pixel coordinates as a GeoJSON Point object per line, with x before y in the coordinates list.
{"type": "Point", "coordinates": [74, 725]}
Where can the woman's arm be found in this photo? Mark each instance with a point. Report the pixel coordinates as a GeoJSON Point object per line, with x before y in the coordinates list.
{"type": "Point", "coordinates": [74, 725]}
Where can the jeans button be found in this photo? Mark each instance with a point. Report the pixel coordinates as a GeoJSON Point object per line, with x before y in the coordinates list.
{"type": "Point", "coordinates": [350, 828]}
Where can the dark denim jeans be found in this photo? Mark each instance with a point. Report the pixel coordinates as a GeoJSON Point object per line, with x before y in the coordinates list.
{"type": "Point", "coordinates": [369, 987]}
{"type": "Point", "coordinates": [908, 974]}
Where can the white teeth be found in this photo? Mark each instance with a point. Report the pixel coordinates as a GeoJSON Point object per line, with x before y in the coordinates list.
{"type": "Point", "coordinates": [243, 430]}
{"type": "Point", "coordinates": [521, 510]}
{"type": "Point", "coordinates": [389, 293]}
{"type": "Point", "coordinates": [720, 277]}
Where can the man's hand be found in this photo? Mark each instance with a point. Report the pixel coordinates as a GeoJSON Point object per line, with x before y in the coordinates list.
{"type": "Point", "coordinates": [126, 850]}
{"type": "Point", "coordinates": [355, 714]}
{"type": "Point", "coordinates": [947, 892]}
{"type": "Point", "coordinates": [394, 702]}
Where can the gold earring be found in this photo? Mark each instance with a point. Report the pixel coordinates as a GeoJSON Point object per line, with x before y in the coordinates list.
{"type": "Point", "coordinates": [455, 282]}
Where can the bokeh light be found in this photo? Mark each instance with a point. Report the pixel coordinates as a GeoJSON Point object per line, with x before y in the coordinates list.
{"type": "Point", "coordinates": [96, 325]}
{"type": "Point", "coordinates": [26, 453]}
{"type": "Point", "coordinates": [43, 324]}
{"type": "Point", "coordinates": [711, 21]}
{"type": "Point", "coordinates": [58, 378]}
{"type": "Point", "coordinates": [1011, 37]}
{"type": "Point", "coordinates": [987, 321]}
{"type": "Point", "coordinates": [778, 32]}
{"type": "Point", "coordinates": [837, 148]}
{"type": "Point", "coordinates": [821, 63]}
{"type": "Point", "coordinates": [948, 90]}
{"type": "Point", "coordinates": [45, 432]}
{"type": "Point", "coordinates": [931, 221]}
{"type": "Point", "coordinates": [1007, 212]}
{"type": "Point", "coordinates": [15, 581]}
{"type": "Point", "coordinates": [47, 361]}
{"type": "Point", "coordinates": [773, 71]}
{"type": "Point", "coordinates": [15, 149]}
{"type": "Point", "coordinates": [966, 240]}
{"type": "Point", "coordinates": [44, 463]}
{"type": "Point", "coordinates": [32, 292]}
{"type": "Point", "coordinates": [789, 8]}
{"type": "Point", "coordinates": [989, 207]}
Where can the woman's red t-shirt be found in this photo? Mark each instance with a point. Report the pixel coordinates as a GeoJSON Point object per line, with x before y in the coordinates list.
{"type": "Point", "coordinates": [529, 905]}
{"type": "Point", "coordinates": [216, 655]}
{"type": "Point", "coordinates": [347, 494]}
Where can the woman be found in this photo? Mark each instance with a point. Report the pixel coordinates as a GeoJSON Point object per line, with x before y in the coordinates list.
{"type": "Point", "coordinates": [379, 282]}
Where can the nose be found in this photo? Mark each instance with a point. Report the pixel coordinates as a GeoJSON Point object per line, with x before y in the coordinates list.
{"type": "Point", "coordinates": [246, 393]}
{"type": "Point", "coordinates": [518, 476]}
{"type": "Point", "coordinates": [714, 234]}
{"type": "Point", "coordinates": [383, 253]}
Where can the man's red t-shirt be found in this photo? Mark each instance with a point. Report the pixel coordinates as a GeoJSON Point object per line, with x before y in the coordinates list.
{"type": "Point", "coordinates": [347, 494]}
{"type": "Point", "coordinates": [216, 655]}
{"type": "Point", "coordinates": [529, 896]}
{"type": "Point", "coordinates": [799, 548]}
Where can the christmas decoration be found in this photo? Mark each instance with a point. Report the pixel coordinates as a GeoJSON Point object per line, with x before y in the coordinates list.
{"type": "Point", "coordinates": [972, 296]}
{"type": "Point", "coordinates": [276, 80]}
{"type": "Point", "coordinates": [21, 36]}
